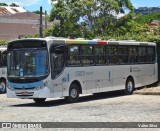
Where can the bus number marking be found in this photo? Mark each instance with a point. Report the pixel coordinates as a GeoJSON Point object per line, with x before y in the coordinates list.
{"type": "Point", "coordinates": [80, 73]}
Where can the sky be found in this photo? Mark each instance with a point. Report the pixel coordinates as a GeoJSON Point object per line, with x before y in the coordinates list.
{"type": "Point", "coordinates": [33, 5]}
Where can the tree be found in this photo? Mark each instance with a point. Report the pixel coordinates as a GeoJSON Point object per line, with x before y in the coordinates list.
{"type": "Point", "coordinates": [38, 12]}
{"type": "Point", "coordinates": [14, 5]}
{"type": "Point", "coordinates": [98, 15]}
{"type": "Point", "coordinates": [3, 4]}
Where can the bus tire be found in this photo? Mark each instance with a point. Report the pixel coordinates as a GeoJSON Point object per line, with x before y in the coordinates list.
{"type": "Point", "coordinates": [39, 100]}
{"type": "Point", "coordinates": [129, 87]}
{"type": "Point", "coordinates": [2, 86]}
{"type": "Point", "coordinates": [73, 93]}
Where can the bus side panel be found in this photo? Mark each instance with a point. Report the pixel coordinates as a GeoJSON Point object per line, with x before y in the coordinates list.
{"type": "Point", "coordinates": [120, 73]}
{"type": "Point", "coordinates": [150, 73]}
{"type": "Point", "coordinates": [102, 76]}
{"type": "Point", "coordinates": [137, 71]}
{"type": "Point", "coordinates": [56, 86]}
{"type": "Point", "coordinates": [60, 86]}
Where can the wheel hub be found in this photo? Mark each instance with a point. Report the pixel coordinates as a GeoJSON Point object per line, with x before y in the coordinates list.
{"type": "Point", "coordinates": [2, 85]}
{"type": "Point", "coordinates": [130, 86]}
{"type": "Point", "coordinates": [74, 93]}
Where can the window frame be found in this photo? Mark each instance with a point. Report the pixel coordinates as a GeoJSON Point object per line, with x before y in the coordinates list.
{"type": "Point", "coordinates": [51, 60]}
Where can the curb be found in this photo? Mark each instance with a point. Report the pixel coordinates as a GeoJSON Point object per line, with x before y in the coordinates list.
{"type": "Point", "coordinates": [146, 93]}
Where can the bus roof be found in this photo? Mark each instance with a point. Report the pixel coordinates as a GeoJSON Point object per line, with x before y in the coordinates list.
{"type": "Point", "coordinates": [61, 40]}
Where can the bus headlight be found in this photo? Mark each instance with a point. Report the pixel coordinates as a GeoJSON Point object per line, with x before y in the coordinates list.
{"type": "Point", "coordinates": [46, 83]}
{"type": "Point", "coordinates": [9, 87]}
{"type": "Point", "coordinates": [39, 87]}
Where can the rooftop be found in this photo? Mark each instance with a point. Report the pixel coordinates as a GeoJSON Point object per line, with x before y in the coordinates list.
{"type": "Point", "coordinates": [6, 10]}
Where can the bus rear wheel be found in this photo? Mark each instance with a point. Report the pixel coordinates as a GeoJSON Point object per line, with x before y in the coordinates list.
{"type": "Point", "coordinates": [73, 93]}
{"type": "Point", "coordinates": [129, 87]}
{"type": "Point", "coordinates": [39, 100]}
{"type": "Point", "coordinates": [2, 86]}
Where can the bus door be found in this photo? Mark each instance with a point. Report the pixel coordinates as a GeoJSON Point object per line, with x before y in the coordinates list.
{"type": "Point", "coordinates": [57, 67]}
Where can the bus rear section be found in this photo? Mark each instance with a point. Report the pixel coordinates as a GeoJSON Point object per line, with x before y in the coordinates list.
{"type": "Point", "coordinates": [3, 69]}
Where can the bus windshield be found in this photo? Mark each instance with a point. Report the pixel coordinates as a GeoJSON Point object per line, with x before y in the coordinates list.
{"type": "Point", "coordinates": [28, 62]}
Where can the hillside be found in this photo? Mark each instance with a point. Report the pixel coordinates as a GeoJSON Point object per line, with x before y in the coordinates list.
{"type": "Point", "coordinates": [147, 10]}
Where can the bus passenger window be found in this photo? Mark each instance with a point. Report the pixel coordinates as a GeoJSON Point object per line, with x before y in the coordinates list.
{"type": "Point", "coordinates": [73, 57]}
{"type": "Point", "coordinates": [132, 55]}
{"type": "Point", "coordinates": [142, 55]}
{"type": "Point", "coordinates": [87, 54]}
{"type": "Point", "coordinates": [150, 54]}
{"type": "Point", "coordinates": [99, 52]}
{"type": "Point", "coordinates": [112, 55]}
{"type": "Point", "coordinates": [3, 58]}
{"type": "Point", "coordinates": [122, 55]}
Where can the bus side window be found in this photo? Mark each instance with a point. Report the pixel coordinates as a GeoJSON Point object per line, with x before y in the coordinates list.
{"type": "Point", "coordinates": [142, 55]}
{"type": "Point", "coordinates": [73, 55]}
{"type": "Point", "coordinates": [123, 55]}
{"type": "Point", "coordinates": [99, 52]}
{"type": "Point", "coordinates": [87, 54]}
{"type": "Point", "coordinates": [133, 55]}
{"type": "Point", "coordinates": [3, 58]}
{"type": "Point", "coordinates": [150, 54]}
{"type": "Point", "coordinates": [112, 55]}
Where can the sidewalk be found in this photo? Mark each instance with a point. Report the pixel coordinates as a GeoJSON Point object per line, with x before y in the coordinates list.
{"type": "Point", "coordinates": [148, 91]}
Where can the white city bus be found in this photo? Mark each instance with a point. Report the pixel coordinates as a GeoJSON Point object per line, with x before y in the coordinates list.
{"type": "Point", "coordinates": [43, 68]}
{"type": "Point", "coordinates": [3, 68]}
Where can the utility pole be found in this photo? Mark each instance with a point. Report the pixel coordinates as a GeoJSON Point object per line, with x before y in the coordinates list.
{"type": "Point", "coordinates": [40, 24]}
{"type": "Point", "coordinates": [45, 19]}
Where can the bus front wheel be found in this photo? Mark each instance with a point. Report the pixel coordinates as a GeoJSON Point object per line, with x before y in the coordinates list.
{"type": "Point", "coordinates": [39, 100]}
{"type": "Point", "coordinates": [129, 87]}
{"type": "Point", "coordinates": [73, 94]}
{"type": "Point", "coordinates": [2, 86]}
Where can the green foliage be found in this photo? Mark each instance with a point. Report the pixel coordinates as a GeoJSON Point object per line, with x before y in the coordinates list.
{"type": "Point", "coordinates": [38, 12]}
{"type": "Point", "coordinates": [137, 37]}
{"type": "Point", "coordinates": [31, 36]}
{"type": "Point", "coordinates": [3, 4]}
{"type": "Point", "coordinates": [14, 5]}
{"type": "Point", "coordinates": [155, 39]}
{"type": "Point", "coordinates": [143, 19]}
{"type": "Point", "coordinates": [96, 14]}
{"type": "Point", "coordinates": [3, 42]}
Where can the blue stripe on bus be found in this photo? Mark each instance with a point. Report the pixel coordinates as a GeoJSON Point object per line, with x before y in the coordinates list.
{"type": "Point", "coordinates": [92, 42]}
{"type": "Point", "coordinates": [25, 85]}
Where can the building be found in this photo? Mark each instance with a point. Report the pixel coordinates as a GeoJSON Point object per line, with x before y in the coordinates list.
{"type": "Point", "coordinates": [18, 22]}
{"type": "Point", "coordinates": [6, 10]}
{"type": "Point", "coordinates": [154, 23]}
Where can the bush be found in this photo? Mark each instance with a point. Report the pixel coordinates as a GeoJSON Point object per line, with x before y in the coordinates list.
{"type": "Point", "coordinates": [137, 37]}
{"type": "Point", "coordinates": [3, 42]}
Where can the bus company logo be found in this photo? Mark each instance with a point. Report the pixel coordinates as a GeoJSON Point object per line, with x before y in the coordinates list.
{"type": "Point", "coordinates": [6, 125]}
{"type": "Point", "coordinates": [23, 88]}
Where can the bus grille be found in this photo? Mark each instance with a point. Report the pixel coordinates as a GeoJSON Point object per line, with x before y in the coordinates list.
{"type": "Point", "coordinates": [22, 94]}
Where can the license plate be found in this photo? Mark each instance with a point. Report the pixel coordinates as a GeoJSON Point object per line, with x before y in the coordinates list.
{"type": "Point", "coordinates": [24, 93]}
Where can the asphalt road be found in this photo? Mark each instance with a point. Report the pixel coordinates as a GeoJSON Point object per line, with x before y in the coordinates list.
{"type": "Point", "coordinates": [106, 107]}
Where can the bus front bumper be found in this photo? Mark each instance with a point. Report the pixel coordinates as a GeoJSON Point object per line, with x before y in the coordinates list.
{"type": "Point", "coordinates": [29, 94]}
